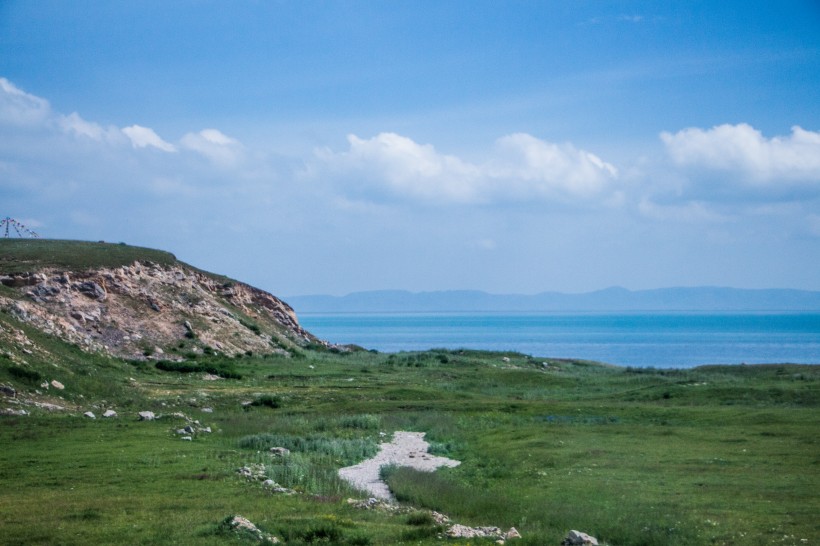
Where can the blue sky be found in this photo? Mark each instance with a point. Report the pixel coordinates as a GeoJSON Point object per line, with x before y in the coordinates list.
{"type": "Point", "coordinates": [336, 146]}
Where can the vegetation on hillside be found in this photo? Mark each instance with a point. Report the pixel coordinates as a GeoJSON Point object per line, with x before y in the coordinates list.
{"type": "Point", "coordinates": [633, 456]}
{"type": "Point", "coordinates": [26, 255]}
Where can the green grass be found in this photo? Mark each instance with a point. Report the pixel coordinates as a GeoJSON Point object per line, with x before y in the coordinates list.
{"type": "Point", "coordinates": [26, 255]}
{"type": "Point", "coordinates": [712, 455]}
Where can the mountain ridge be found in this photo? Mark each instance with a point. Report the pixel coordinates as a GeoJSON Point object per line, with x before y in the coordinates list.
{"type": "Point", "coordinates": [701, 298]}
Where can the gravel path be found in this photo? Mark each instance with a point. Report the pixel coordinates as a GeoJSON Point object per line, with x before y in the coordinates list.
{"type": "Point", "coordinates": [406, 449]}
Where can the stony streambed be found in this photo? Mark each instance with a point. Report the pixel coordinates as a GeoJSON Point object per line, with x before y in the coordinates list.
{"type": "Point", "coordinates": [406, 449]}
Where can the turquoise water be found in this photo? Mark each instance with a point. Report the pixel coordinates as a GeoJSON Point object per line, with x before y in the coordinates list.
{"type": "Point", "coordinates": [628, 339]}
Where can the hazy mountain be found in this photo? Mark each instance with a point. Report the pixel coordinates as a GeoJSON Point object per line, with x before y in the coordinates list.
{"type": "Point", "coordinates": [610, 299]}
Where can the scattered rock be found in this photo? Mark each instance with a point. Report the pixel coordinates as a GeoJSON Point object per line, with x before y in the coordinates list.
{"type": "Point", "coordinates": [8, 391]}
{"type": "Point", "coordinates": [12, 411]}
{"type": "Point", "coordinates": [279, 451]}
{"type": "Point", "coordinates": [207, 410]}
{"type": "Point", "coordinates": [188, 438]}
{"type": "Point", "coordinates": [147, 416]}
{"type": "Point", "coordinates": [243, 526]}
{"type": "Point", "coordinates": [276, 488]}
{"type": "Point", "coordinates": [462, 531]}
{"type": "Point", "coordinates": [49, 406]}
{"type": "Point", "coordinates": [253, 472]}
{"type": "Point", "coordinates": [512, 533]}
{"type": "Point", "coordinates": [92, 290]}
{"type": "Point", "coordinates": [110, 413]}
{"type": "Point", "coordinates": [57, 385]}
{"type": "Point", "coordinates": [90, 415]}
{"type": "Point", "coordinates": [577, 538]}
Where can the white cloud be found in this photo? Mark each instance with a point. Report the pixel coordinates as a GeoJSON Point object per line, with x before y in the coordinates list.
{"type": "Point", "coordinates": [73, 123]}
{"type": "Point", "coordinates": [521, 167]}
{"type": "Point", "coordinates": [402, 166]}
{"type": "Point", "coordinates": [20, 108]}
{"type": "Point", "coordinates": [213, 144]}
{"type": "Point", "coordinates": [743, 150]}
{"type": "Point", "coordinates": [142, 137]}
{"type": "Point", "coordinates": [533, 166]}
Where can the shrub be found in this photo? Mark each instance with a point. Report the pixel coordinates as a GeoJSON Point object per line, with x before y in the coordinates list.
{"type": "Point", "coordinates": [268, 400]}
{"type": "Point", "coordinates": [221, 370]}
{"type": "Point", "coordinates": [24, 374]}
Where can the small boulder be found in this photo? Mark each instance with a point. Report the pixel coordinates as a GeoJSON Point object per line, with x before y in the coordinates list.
{"type": "Point", "coordinates": [512, 533]}
{"type": "Point", "coordinates": [187, 438]}
{"type": "Point", "coordinates": [147, 416]}
{"type": "Point", "coordinates": [110, 413]}
{"type": "Point", "coordinates": [577, 538]}
{"type": "Point", "coordinates": [243, 526]}
{"type": "Point", "coordinates": [57, 385]}
{"type": "Point", "coordinates": [92, 290]}
{"type": "Point", "coordinates": [90, 415]}
{"type": "Point", "coordinates": [8, 391]}
{"type": "Point", "coordinates": [279, 451]}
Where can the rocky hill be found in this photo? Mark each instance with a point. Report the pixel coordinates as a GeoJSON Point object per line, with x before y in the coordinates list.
{"type": "Point", "coordinates": [139, 303]}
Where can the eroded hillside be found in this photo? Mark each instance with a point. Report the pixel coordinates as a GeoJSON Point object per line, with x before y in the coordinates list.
{"type": "Point", "coordinates": [149, 309]}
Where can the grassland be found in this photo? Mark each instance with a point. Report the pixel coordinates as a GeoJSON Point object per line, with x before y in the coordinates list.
{"type": "Point", "coordinates": [24, 255]}
{"type": "Point", "coordinates": [713, 455]}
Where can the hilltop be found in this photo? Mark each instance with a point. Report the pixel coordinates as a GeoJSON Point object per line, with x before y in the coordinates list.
{"type": "Point", "coordinates": [137, 303]}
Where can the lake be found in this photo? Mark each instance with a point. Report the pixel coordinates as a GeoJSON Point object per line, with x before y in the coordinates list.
{"type": "Point", "coordinates": [662, 340]}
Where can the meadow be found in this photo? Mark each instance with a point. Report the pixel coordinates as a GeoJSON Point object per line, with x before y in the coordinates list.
{"type": "Point", "coordinates": [633, 456]}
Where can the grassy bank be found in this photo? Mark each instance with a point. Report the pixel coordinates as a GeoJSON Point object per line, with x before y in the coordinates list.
{"type": "Point", "coordinates": [712, 455]}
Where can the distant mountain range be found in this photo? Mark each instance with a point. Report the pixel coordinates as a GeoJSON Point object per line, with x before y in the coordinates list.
{"type": "Point", "coordinates": [610, 299]}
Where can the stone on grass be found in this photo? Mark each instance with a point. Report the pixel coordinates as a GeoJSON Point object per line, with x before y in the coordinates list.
{"type": "Point", "coordinates": [90, 415]}
{"type": "Point", "coordinates": [279, 451]}
{"type": "Point", "coordinates": [147, 416]}
{"type": "Point", "coordinates": [243, 526]}
{"type": "Point", "coordinates": [512, 533]}
{"type": "Point", "coordinates": [57, 385]}
{"type": "Point", "coordinates": [110, 413]}
{"type": "Point", "coordinates": [577, 538]}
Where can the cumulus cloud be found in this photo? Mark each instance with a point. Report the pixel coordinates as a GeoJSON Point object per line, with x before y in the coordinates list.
{"type": "Point", "coordinates": [743, 150]}
{"type": "Point", "coordinates": [20, 108]}
{"type": "Point", "coordinates": [521, 167]}
{"type": "Point", "coordinates": [143, 137]}
{"type": "Point", "coordinates": [530, 165]}
{"type": "Point", "coordinates": [404, 167]}
{"type": "Point", "coordinates": [213, 144]}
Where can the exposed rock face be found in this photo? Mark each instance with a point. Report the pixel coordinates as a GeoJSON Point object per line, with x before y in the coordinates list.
{"type": "Point", "coordinates": [145, 309]}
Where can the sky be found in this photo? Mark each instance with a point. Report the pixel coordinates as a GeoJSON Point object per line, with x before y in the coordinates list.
{"type": "Point", "coordinates": [327, 147]}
